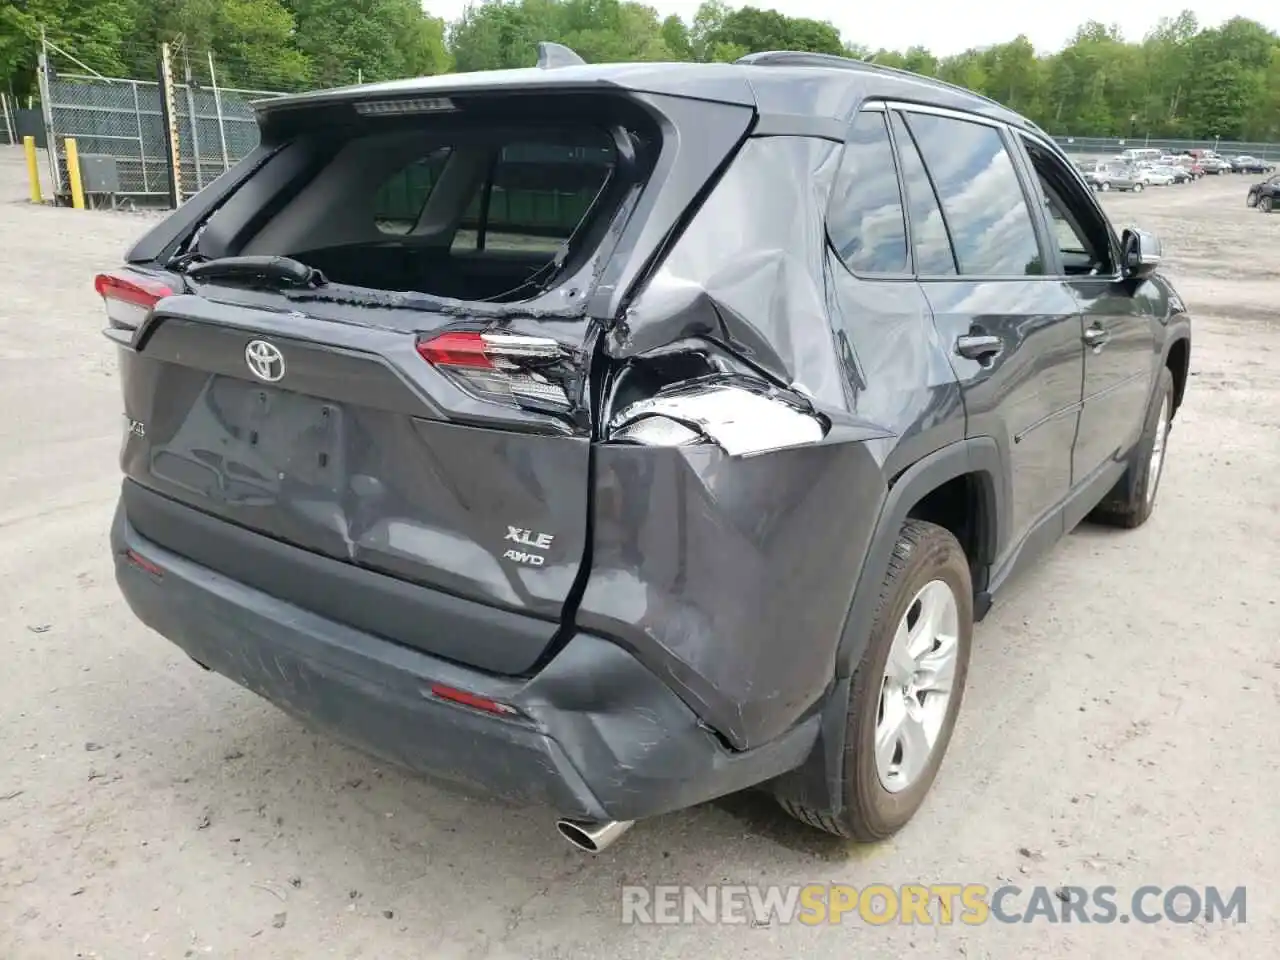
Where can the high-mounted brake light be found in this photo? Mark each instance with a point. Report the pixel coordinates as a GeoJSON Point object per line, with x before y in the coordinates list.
{"type": "Point", "coordinates": [508, 368]}
{"type": "Point", "coordinates": [129, 299]}
{"type": "Point", "coordinates": [384, 108]}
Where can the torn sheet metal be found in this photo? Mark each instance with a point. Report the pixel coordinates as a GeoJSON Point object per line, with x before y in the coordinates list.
{"type": "Point", "coordinates": [748, 270]}
{"type": "Point", "coordinates": [741, 419]}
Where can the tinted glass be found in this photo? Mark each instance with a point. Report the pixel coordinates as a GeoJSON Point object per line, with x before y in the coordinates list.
{"type": "Point", "coordinates": [541, 192]}
{"type": "Point", "coordinates": [990, 223]}
{"type": "Point", "coordinates": [864, 220]}
{"type": "Point", "coordinates": [399, 201]}
{"type": "Point", "coordinates": [928, 231]}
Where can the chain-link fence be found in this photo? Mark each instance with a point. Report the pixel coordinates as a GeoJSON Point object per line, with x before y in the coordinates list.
{"type": "Point", "coordinates": [1110, 146]}
{"type": "Point", "coordinates": [123, 119]}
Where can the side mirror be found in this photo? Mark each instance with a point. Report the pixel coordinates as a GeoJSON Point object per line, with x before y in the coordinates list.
{"type": "Point", "coordinates": [1140, 254]}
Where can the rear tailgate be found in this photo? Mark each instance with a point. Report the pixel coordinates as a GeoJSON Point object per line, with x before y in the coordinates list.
{"type": "Point", "coordinates": [356, 451]}
{"type": "Point", "coordinates": [347, 455]}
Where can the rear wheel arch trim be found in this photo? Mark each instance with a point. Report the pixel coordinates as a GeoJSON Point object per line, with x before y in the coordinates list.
{"type": "Point", "coordinates": [975, 455]}
{"type": "Point", "coordinates": [1177, 357]}
{"type": "Point", "coordinates": [818, 780]}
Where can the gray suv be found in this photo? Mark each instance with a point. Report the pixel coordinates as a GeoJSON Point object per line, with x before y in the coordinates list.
{"type": "Point", "coordinates": [614, 438]}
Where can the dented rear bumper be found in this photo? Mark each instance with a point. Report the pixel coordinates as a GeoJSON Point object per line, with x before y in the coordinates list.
{"type": "Point", "coordinates": [594, 734]}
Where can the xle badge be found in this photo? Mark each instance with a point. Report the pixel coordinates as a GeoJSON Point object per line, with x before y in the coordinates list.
{"type": "Point", "coordinates": [527, 538]}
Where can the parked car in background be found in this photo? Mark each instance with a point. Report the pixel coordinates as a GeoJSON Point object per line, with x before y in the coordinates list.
{"type": "Point", "coordinates": [1265, 195]}
{"type": "Point", "coordinates": [1215, 165]}
{"type": "Point", "coordinates": [1105, 176]}
{"type": "Point", "coordinates": [1154, 176]}
{"type": "Point", "coordinates": [1248, 164]}
{"type": "Point", "coordinates": [1176, 173]}
{"type": "Point", "coordinates": [1192, 165]}
{"type": "Point", "coordinates": [1140, 155]}
{"type": "Point", "coordinates": [650, 496]}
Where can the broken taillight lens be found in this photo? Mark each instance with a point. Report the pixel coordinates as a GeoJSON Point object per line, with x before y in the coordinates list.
{"type": "Point", "coordinates": [507, 368]}
{"type": "Point", "coordinates": [129, 299]}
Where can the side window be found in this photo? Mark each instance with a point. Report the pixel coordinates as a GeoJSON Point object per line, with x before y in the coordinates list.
{"type": "Point", "coordinates": [538, 195]}
{"type": "Point", "coordinates": [864, 220]}
{"type": "Point", "coordinates": [1081, 233]}
{"type": "Point", "coordinates": [990, 223]}
{"type": "Point", "coordinates": [399, 201]}
{"type": "Point", "coordinates": [934, 257]}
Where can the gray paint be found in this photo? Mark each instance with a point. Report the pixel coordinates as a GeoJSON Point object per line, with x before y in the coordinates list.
{"type": "Point", "coordinates": [708, 610]}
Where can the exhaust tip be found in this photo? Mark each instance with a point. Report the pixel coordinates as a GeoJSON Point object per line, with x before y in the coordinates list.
{"type": "Point", "coordinates": [591, 836]}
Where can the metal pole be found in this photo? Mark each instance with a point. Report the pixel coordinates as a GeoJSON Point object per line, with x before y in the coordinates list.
{"type": "Point", "coordinates": [217, 106]}
{"type": "Point", "coordinates": [73, 174]}
{"type": "Point", "coordinates": [46, 113]}
{"type": "Point", "coordinates": [142, 146]}
{"type": "Point", "coordinates": [168, 120]}
{"type": "Point", "coordinates": [191, 119]}
{"type": "Point", "coordinates": [8, 122]}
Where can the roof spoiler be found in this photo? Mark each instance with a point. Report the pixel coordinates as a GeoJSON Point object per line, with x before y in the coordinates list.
{"type": "Point", "coordinates": [552, 55]}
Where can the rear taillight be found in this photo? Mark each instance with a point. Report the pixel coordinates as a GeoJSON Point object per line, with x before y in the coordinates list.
{"type": "Point", "coordinates": [508, 368]}
{"type": "Point", "coordinates": [129, 299]}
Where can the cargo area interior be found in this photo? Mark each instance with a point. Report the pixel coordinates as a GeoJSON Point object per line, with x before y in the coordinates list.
{"type": "Point", "coordinates": [483, 201]}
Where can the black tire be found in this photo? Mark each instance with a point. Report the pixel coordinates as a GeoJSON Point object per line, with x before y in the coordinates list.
{"type": "Point", "coordinates": [1266, 204]}
{"type": "Point", "coordinates": [1132, 501]}
{"type": "Point", "coordinates": [1137, 187]}
{"type": "Point", "coordinates": [924, 553]}
{"type": "Point", "coordinates": [1251, 200]}
{"type": "Point", "coordinates": [1105, 186]}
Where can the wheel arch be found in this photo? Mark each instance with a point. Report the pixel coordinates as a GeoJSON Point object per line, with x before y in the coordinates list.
{"type": "Point", "coordinates": [816, 784]}
{"type": "Point", "coordinates": [975, 460]}
{"type": "Point", "coordinates": [1177, 358]}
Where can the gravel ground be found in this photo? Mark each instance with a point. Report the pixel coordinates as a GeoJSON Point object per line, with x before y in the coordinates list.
{"type": "Point", "coordinates": [1120, 724]}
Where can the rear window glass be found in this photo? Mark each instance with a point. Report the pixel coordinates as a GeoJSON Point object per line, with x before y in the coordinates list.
{"type": "Point", "coordinates": [460, 212]}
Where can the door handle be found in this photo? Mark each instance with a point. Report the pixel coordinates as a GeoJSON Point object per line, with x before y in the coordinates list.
{"type": "Point", "coordinates": [1096, 337]}
{"type": "Point", "coordinates": [983, 347]}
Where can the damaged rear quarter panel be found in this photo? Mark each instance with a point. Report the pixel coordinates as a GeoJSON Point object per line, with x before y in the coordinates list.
{"type": "Point", "coordinates": [732, 576]}
{"type": "Point", "coordinates": [748, 270]}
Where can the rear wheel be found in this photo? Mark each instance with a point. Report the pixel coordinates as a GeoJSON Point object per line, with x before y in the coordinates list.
{"type": "Point", "coordinates": [1105, 186]}
{"type": "Point", "coordinates": [1133, 499]}
{"type": "Point", "coordinates": [1265, 204]}
{"type": "Point", "coordinates": [906, 691]}
{"type": "Point", "coordinates": [1137, 187]}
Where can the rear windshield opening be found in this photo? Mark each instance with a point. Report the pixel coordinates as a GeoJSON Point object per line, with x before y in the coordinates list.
{"type": "Point", "coordinates": [469, 210]}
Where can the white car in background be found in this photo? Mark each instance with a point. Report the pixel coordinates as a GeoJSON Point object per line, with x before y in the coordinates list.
{"type": "Point", "coordinates": [1153, 176]}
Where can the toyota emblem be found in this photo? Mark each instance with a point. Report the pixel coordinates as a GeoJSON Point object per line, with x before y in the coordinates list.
{"type": "Point", "coordinates": [265, 360]}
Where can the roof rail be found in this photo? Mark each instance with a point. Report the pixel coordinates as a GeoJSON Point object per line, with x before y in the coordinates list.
{"type": "Point", "coordinates": [552, 55]}
{"type": "Point", "coordinates": [797, 58]}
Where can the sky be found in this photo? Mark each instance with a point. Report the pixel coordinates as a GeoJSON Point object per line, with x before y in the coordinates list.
{"type": "Point", "coordinates": [948, 26]}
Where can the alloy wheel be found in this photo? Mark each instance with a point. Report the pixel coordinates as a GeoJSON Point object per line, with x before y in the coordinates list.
{"type": "Point", "coordinates": [919, 681]}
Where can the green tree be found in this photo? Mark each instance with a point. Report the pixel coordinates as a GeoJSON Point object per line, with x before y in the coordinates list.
{"type": "Point", "coordinates": [373, 39]}
{"type": "Point", "coordinates": [756, 30]}
{"type": "Point", "coordinates": [94, 31]}
{"type": "Point", "coordinates": [252, 40]}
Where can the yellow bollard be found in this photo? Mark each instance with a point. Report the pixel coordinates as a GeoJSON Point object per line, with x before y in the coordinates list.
{"type": "Point", "coordinates": [73, 174]}
{"type": "Point", "coordinates": [33, 169]}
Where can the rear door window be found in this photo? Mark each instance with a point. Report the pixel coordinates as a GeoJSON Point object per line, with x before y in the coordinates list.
{"type": "Point", "coordinates": [934, 257]}
{"type": "Point", "coordinates": [864, 221]}
{"type": "Point", "coordinates": [981, 195]}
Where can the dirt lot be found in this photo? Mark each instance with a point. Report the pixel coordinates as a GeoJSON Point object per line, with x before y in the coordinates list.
{"type": "Point", "coordinates": [1120, 723]}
